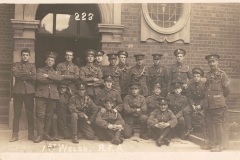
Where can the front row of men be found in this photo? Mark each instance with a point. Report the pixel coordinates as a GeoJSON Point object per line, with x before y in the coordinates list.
{"type": "Point", "coordinates": [89, 109]}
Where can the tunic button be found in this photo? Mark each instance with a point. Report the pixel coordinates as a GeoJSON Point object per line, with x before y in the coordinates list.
{"type": "Point", "coordinates": [49, 87]}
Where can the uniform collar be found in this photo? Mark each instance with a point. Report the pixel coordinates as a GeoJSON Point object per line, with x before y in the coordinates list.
{"type": "Point", "coordinates": [179, 64]}
{"type": "Point", "coordinates": [68, 63]}
{"type": "Point", "coordinates": [23, 62]}
{"type": "Point", "coordinates": [90, 64]}
{"type": "Point", "coordinates": [97, 63]}
{"type": "Point", "coordinates": [48, 68]}
{"type": "Point", "coordinates": [156, 97]}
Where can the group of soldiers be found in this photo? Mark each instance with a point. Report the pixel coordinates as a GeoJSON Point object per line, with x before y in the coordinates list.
{"type": "Point", "coordinates": [111, 101]}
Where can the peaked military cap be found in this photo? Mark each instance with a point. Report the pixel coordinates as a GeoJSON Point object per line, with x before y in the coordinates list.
{"type": "Point", "coordinates": [197, 71]}
{"type": "Point", "coordinates": [109, 99]}
{"type": "Point", "coordinates": [99, 53]}
{"type": "Point", "coordinates": [212, 57]}
{"type": "Point", "coordinates": [112, 56]}
{"type": "Point", "coordinates": [108, 78]}
{"type": "Point", "coordinates": [163, 100]}
{"type": "Point", "coordinates": [90, 52]}
{"type": "Point", "coordinates": [157, 84]}
{"type": "Point", "coordinates": [81, 86]}
{"type": "Point", "coordinates": [179, 51]}
{"type": "Point", "coordinates": [139, 56]}
{"type": "Point", "coordinates": [125, 53]}
{"type": "Point", "coordinates": [51, 54]}
{"type": "Point", "coordinates": [177, 85]}
{"type": "Point", "coordinates": [134, 85]}
{"type": "Point", "coordinates": [157, 56]}
{"type": "Point", "coordinates": [63, 85]}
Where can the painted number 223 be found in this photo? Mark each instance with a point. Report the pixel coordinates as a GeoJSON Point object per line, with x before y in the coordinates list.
{"type": "Point", "coordinates": [84, 17]}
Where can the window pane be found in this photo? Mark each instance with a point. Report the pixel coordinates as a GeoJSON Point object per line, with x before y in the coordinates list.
{"type": "Point", "coordinates": [46, 25]}
{"type": "Point", "coordinates": [66, 25]}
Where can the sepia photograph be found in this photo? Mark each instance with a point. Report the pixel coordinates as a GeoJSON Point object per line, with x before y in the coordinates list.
{"type": "Point", "coordinates": [119, 79]}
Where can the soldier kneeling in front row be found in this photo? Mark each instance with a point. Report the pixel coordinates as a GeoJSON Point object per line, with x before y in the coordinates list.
{"type": "Point", "coordinates": [110, 123]}
{"type": "Point", "coordinates": [161, 121]}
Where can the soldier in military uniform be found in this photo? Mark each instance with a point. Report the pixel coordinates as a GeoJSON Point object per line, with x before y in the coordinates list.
{"type": "Point", "coordinates": [98, 59]}
{"type": "Point", "coordinates": [107, 92]}
{"type": "Point", "coordinates": [159, 73]}
{"type": "Point", "coordinates": [23, 92]}
{"type": "Point", "coordinates": [135, 112]}
{"type": "Point", "coordinates": [61, 117]}
{"type": "Point", "coordinates": [161, 121]}
{"type": "Point", "coordinates": [113, 70]}
{"type": "Point", "coordinates": [139, 74]}
{"type": "Point", "coordinates": [179, 72]}
{"type": "Point", "coordinates": [177, 103]}
{"type": "Point", "coordinates": [46, 97]}
{"type": "Point", "coordinates": [153, 100]}
{"type": "Point", "coordinates": [195, 94]}
{"type": "Point", "coordinates": [124, 67]}
{"type": "Point", "coordinates": [69, 71]}
{"type": "Point", "coordinates": [110, 124]}
{"type": "Point", "coordinates": [91, 75]}
{"type": "Point", "coordinates": [83, 113]}
{"type": "Point", "coordinates": [217, 88]}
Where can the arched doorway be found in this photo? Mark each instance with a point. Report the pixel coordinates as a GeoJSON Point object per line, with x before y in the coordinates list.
{"type": "Point", "coordinates": [66, 27]}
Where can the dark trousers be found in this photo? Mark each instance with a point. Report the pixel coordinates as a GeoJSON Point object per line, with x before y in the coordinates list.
{"type": "Point", "coordinates": [81, 124]}
{"type": "Point", "coordinates": [214, 123]}
{"type": "Point", "coordinates": [180, 128]}
{"type": "Point", "coordinates": [129, 124]}
{"type": "Point", "coordinates": [187, 114]}
{"type": "Point", "coordinates": [60, 124]}
{"type": "Point", "coordinates": [105, 134]}
{"type": "Point", "coordinates": [161, 133]}
{"type": "Point", "coordinates": [44, 110]}
{"type": "Point", "coordinates": [28, 100]}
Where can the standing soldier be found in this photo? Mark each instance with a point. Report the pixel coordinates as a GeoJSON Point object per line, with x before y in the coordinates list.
{"type": "Point", "coordinates": [98, 59]}
{"type": "Point", "coordinates": [83, 114]}
{"type": "Point", "coordinates": [23, 92]}
{"type": "Point", "coordinates": [61, 117]}
{"type": "Point", "coordinates": [110, 123]}
{"type": "Point", "coordinates": [139, 74]}
{"type": "Point", "coordinates": [135, 112]}
{"type": "Point", "coordinates": [195, 94]}
{"type": "Point", "coordinates": [91, 75]}
{"type": "Point", "coordinates": [124, 67]}
{"type": "Point", "coordinates": [113, 70]}
{"type": "Point", "coordinates": [177, 103]}
{"type": "Point", "coordinates": [217, 85]}
{"type": "Point", "coordinates": [107, 92]}
{"type": "Point", "coordinates": [161, 121]}
{"type": "Point", "coordinates": [158, 73]}
{"type": "Point", "coordinates": [69, 71]}
{"type": "Point", "coordinates": [179, 72]}
{"type": "Point", "coordinates": [46, 96]}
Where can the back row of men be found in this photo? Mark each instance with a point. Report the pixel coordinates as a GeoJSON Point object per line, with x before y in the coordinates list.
{"type": "Point", "coordinates": [93, 88]}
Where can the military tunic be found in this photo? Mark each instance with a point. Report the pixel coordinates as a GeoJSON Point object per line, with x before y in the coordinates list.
{"type": "Point", "coordinates": [124, 80]}
{"type": "Point", "coordinates": [158, 74]}
{"type": "Point", "coordinates": [87, 75]}
{"type": "Point", "coordinates": [79, 107]}
{"type": "Point", "coordinates": [98, 65]}
{"type": "Point", "coordinates": [115, 73]}
{"type": "Point", "coordinates": [152, 103]}
{"type": "Point", "coordinates": [70, 73]}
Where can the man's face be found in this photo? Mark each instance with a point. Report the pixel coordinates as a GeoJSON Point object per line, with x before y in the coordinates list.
{"type": "Point", "coordinates": [156, 62]}
{"type": "Point", "coordinates": [108, 84]}
{"type": "Point", "coordinates": [196, 77]}
{"type": "Point", "coordinates": [50, 61]}
{"type": "Point", "coordinates": [90, 58]}
{"type": "Point", "coordinates": [113, 61]}
{"type": "Point", "coordinates": [122, 59]}
{"type": "Point", "coordinates": [99, 58]}
{"type": "Point", "coordinates": [213, 64]}
{"type": "Point", "coordinates": [180, 58]}
{"type": "Point", "coordinates": [109, 105]}
{"type": "Point", "coordinates": [157, 91]}
{"type": "Point", "coordinates": [178, 90]}
{"type": "Point", "coordinates": [62, 90]}
{"type": "Point", "coordinates": [163, 107]}
{"type": "Point", "coordinates": [69, 56]}
{"type": "Point", "coordinates": [81, 92]}
{"type": "Point", "coordinates": [25, 56]}
{"type": "Point", "coordinates": [134, 91]}
{"type": "Point", "coordinates": [139, 62]}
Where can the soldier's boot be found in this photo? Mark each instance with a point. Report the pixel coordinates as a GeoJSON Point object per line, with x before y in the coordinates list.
{"type": "Point", "coordinates": [159, 141]}
{"type": "Point", "coordinates": [48, 137]}
{"type": "Point", "coordinates": [31, 137]}
{"type": "Point", "coordinates": [188, 132]}
{"type": "Point", "coordinates": [75, 139]}
{"type": "Point", "coordinates": [216, 149]}
{"type": "Point", "coordinates": [55, 128]}
{"type": "Point", "coordinates": [143, 132]}
{"type": "Point", "coordinates": [14, 138]}
{"type": "Point", "coordinates": [38, 139]}
{"type": "Point", "coordinates": [166, 141]}
{"type": "Point", "coordinates": [182, 132]}
{"type": "Point", "coordinates": [117, 138]}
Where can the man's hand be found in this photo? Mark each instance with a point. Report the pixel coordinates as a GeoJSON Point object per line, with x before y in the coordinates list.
{"type": "Point", "coordinates": [118, 127]}
{"type": "Point", "coordinates": [198, 107]}
{"type": "Point", "coordinates": [85, 116]}
{"type": "Point", "coordinates": [103, 110]}
{"type": "Point", "coordinates": [185, 86]}
{"type": "Point", "coordinates": [45, 75]}
{"type": "Point", "coordinates": [88, 122]}
{"type": "Point", "coordinates": [115, 110]}
{"type": "Point", "coordinates": [95, 79]}
{"type": "Point", "coordinates": [194, 107]}
{"type": "Point", "coordinates": [139, 110]}
{"type": "Point", "coordinates": [110, 126]}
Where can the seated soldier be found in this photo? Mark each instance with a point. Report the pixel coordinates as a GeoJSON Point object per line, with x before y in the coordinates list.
{"type": "Point", "coordinates": [61, 117]}
{"type": "Point", "coordinates": [135, 112]}
{"type": "Point", "coordinates": [177, 102]}
{"type": "Point", "coordinates": [161, 121]}
{"type": "Point", "coordinates": [110, 123]}
{"type": "Point", "coordinates": [152, 101]}
{"type": "Point", "coordinates": [83, 113]}
{"type": "Point", "coordinates": [106, 92]}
